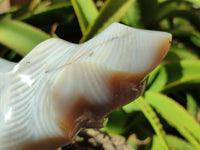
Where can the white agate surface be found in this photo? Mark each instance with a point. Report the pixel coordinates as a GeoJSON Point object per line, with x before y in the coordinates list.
{"type": "Point", "coordinates": [50, 93]}
{"type": "Point", "coordinates": [5, 65]}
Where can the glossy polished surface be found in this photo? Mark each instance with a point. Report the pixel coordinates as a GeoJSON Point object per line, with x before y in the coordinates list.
{"type": "Point", "coordinates": [60, 88]}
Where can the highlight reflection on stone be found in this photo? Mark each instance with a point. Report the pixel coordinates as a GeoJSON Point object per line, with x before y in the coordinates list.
{"type": "Point", "coordinates": [60, 88]}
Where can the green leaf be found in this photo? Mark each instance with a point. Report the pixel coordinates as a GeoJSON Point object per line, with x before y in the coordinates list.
{"type": "Point", "coordinates": [176, 116]}
{"type": "Point", "coordinates": [86, 12]}
{"type": "Point", "coordinates": [192, 105]}
{"type": "Point", "coordinates": [116, 122]}
{"type": "Point", "coordinates": [149, 10]}
{"type": "Point", "coordinates": [192, 16]}
{"type": "Point", "coordinates": [133, 17]}
{"type": "Point", "coordinates": [195, 38]}
{"type": "Point", "coordinates": [25, 10]}
{"type": "Point", "coordinates": [131, 107]}
{"type": "Point", "coordinates": [180, 53]}
{"type": "Point", "coordinates": [173, 76]}
{"type": "Point", "coordinates": [187, 32]}
{"type": "Point", "coordinates": [165, 8]}
{"type": "Point", "coordinates": [197, 2]}
{"type": "Point", "coordinates": [60, 14]}
{"type": "Point", "coordinates": [154, 120]}
{"type": "Point", "coordinates": [174, 142]}
{"type": "Point", "coordinates": [112, 11]}
{"type": "Point", "coordinates": [19, 36]}
{"type": "Point", "coordinates": [142, 14]}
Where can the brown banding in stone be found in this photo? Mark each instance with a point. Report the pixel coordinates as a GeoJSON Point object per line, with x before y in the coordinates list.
{"type": "Point", "coordinates": [161, 54]}
{"type": "Point", "coordinates": [82, 115]}
{"type": "Point", "coordinates": [125, 87]}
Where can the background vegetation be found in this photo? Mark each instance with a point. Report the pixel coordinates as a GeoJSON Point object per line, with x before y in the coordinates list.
{"type": "Point", "coordinates": [167, 116]}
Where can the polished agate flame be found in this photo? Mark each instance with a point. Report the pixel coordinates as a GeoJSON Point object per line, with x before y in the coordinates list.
{"type": "Point", "coordinates": [60, 88]}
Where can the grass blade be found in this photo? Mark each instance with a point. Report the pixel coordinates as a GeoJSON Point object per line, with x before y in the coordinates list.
{"type": "Point", "coordinates": [175, 115]}
{"type": "Point", "coordinates": [192, 105]}
{"type": "Point", "coordinates": [180, 53]}
{"type": "Point", "coordinates": [176, 75]}
{"type": "Point", "coordinates": [19, 36]}
{"type": "Point", "coordinates": [153, 119]}
{"type": "Point", "coordinates": [174, 142]}
{"type": "Point", "coordinates": [197, 2]}
{"type": "Point", "coordinates": [86, 12]}
{"type": "Point", "coordinates": [112, 11]}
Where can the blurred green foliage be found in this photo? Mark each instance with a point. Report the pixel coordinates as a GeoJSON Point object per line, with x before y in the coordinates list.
{"type": "Point", "coordinates": [167, 115]}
